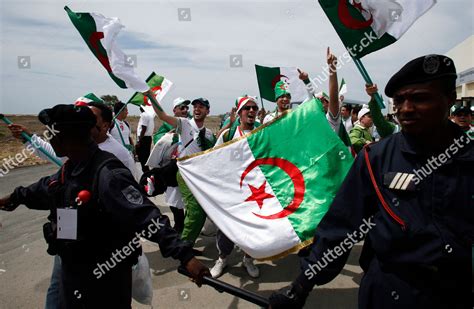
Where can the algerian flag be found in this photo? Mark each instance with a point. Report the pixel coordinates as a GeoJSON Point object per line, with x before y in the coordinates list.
{"type": "Point", "coordinates": [273, 186]}
{"type": "Point", "coordinates": [88, 98]}
{"type": "Point", "coordinates": [99, 33]}
{"type": "Point", "coordinates": [365, 26]}
{"type": "Point", "coordinates": [160, 87]}
{"type": "Point", "coordinates": [343, 87]}
{"type": "Point", "coordinates": [267, 77]}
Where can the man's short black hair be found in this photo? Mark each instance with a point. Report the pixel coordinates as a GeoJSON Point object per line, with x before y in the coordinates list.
{"type": "Point", "coordinates": [105, 111]}
{"type": "Point", "coordinates": [347, 106]}
{"type": "Point", "coordinates": [118, 107]}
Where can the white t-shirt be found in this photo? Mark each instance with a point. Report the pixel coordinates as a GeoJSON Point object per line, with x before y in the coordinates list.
{"type": "Point", "coordinates": [188, 135]}
{"type": "Point", "coordinates": [148, 121]}
{"type": "Point", "coordinates": [347, 124]}
{"type": "Point", "coordinates": [124, 130]}
{"type": "Point", "coordinates": [112, 146]}
{"type": "Point", "coordinates": [238, 133]}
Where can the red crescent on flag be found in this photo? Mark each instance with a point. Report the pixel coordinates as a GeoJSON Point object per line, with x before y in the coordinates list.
{"type": "Point", "coordinates": [277, 79]}
{"type": "Point", "coordinates": [155, 90]}
{"type": "Point", "coordinates": [296, 177]}
{"type": "Point", "coordinates": [349, 21]}
{"type": "Point", "coordinates": [94, 43]}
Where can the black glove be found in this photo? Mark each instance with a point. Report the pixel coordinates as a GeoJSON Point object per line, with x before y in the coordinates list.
{"type": "Point", "coordinates": [292, 296]}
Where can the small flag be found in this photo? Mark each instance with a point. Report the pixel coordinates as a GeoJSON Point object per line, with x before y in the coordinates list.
{"type": "Point", "coordinates": [88, 98]}
{"type": "Point", "coordinates": [273, 186]}
{"type": "Point", "coordinates": [268, 77]}
{"type": "Point", "coordinates": [159, 85]}
{"type": "Point", "coordinates": [343, 87]}
{"type": "Point", "coordinates": [365, 26]}
{"type": "Point", "coordinates": [100, 33]}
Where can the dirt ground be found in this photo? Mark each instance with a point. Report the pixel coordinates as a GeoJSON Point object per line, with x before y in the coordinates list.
{"type": "Point", "coordinates": [11, 146]}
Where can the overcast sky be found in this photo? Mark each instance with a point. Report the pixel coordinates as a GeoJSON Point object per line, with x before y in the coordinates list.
{"type": "Point", "coordinates": [195, 54]}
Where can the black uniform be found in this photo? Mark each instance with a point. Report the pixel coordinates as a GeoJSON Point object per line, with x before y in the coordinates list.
{"type": "Point", "coordinates": [96, 268]}
{"type": "Point", "coordinates": [417, 250]}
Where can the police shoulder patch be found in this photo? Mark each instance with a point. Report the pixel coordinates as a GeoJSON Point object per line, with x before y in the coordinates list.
{"type": "Point", "coordinates": [133, 195]}
{"type": "Point", "coordinates": [400, 181]}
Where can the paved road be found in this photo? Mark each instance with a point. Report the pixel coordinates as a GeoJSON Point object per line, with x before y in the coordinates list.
{"type": "Point", "coordinates": [25, 267]}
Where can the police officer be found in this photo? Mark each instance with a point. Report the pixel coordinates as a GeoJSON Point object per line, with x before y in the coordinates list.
{"type": "Point", "coordinates": [418, 226]}
{"type": "Point", "coordinates": [98, 214]}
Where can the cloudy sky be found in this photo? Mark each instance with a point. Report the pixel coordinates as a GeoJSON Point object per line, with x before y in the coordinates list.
{"type": "Point", "coordinates": [195, 54]}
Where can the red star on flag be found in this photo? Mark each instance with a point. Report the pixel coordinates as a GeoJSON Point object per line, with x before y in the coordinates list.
{"type": "Point", "coordinates": [258, 194]}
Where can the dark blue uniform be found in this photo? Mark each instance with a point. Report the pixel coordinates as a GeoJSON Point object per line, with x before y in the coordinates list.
{"type": "Point", "coordinates": [417, 250]}
{"type": "Point", "coordinates": [96, 267]}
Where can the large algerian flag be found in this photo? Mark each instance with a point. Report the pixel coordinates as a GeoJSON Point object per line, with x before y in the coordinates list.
{"type": "Point", "coordinates": [365, 26]}
{"type": "Point", "coordinates": [160, 87]}
{"type": "Point", "coordinates": [272, 187]}
{"type": "Point", "coordinates": [99, 33]}
{"type": "Point", "coordinates": [267, 77]}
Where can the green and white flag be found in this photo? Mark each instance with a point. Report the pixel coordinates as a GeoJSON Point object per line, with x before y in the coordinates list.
{"type": "Point", "coordinates": [267, 77]}
{"type": "Point", "coordinates": [160, 87]}
{"type": "Point", "coordinates": [343, 87]}
{"type": "Point", "coordinates": [88, 98]}
{"type": "Point", "coordinates": [272, 187]}
{"type": "Point", "coordinates": [365, 26]}
{"type": "Point", "coordinates": [100, 33]}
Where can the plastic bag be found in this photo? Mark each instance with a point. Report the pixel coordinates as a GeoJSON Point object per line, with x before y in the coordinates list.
{"type": "Point", "coordinates": [142, 288]}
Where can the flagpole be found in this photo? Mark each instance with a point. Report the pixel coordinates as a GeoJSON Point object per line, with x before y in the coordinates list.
{"type": "Point", "coordinates": [368, 80]}
{"type": "Point", "coordinates": [28, 138]}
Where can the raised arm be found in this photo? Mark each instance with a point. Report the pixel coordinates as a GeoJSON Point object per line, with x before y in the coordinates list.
{"type": "Point", "coordinates": [384, 127]}
{"type": "Point", "coordinates": [333, 85]}
{"type": "Point", "coordinates": [173, 121]}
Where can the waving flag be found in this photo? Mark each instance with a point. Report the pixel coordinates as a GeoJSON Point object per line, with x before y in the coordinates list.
{"type": "Point", "coordinates": [365, 26]}
{"type": "Point", "coordinates": [88, 98]}
{"type": "Point", "coordinates": [99, 33]}
{"type": "Point", "coordinates": [272, 187]}
{"type": "Point", "coordinates": [267, 77]}
{"type": "Point", "coordinates": [343, 87]}
{"type": "Point", "coordinates": [159, 85]}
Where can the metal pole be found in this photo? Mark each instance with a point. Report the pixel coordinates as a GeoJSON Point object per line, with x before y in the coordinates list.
{"type": "Point", "coordinates": [28, 138]}
{"type": "Point", "coordinates": [368, 80]}
{"type": "Point", "coordinates": [221, 286]}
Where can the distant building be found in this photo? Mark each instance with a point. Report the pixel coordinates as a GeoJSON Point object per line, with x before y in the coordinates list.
{"type": "Point", "coordinates": [463, 56]}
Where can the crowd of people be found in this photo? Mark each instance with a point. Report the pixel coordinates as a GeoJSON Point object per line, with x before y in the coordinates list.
{"type": "Point", "coordinates": [405, 251]}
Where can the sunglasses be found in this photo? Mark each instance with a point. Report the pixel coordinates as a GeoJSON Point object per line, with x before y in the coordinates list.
{"type": "Point", "coordinates": [183, 107]}
{"type": "Point", "coordinates": [253, 107]}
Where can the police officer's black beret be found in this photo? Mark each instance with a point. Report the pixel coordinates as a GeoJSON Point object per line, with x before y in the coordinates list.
{"type": "Point", "coordinates": [421, 70]}
{"type": "Point", "coordinates": [68, 116]}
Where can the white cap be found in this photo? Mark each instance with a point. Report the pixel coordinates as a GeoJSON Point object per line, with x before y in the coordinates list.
{"type": "Point", "coordinates": [179, 101]}
{"type": "Point", "coordinates": [363, 112]}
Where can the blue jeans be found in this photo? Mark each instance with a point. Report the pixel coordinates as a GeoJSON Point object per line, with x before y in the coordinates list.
{"type": "Point", "coordinates": [52, 297]}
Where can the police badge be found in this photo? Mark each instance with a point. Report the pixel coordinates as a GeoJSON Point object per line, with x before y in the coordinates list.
{"type": "Point", "coordinates": [133, 195]}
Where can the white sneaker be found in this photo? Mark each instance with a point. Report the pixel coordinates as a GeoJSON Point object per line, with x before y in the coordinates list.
{"type": "Point", "coordinates": [252, 270]}
{"type": "Point", "coordinates": [218, 268]}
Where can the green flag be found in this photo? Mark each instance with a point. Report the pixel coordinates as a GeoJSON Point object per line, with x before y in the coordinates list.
{"type": "Point", "coordinates": [158, 84]}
